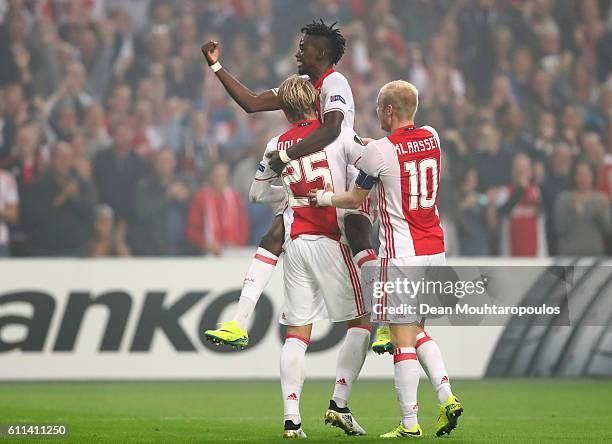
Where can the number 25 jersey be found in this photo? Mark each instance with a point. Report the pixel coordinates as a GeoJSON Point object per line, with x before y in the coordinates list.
{"type": "Point", "coordinates": [333, 165]}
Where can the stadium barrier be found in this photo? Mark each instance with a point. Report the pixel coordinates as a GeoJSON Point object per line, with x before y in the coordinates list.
{"type": "Point", "coordinates": [123, 319]}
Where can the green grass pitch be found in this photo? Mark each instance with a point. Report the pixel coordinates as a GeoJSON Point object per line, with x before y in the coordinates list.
{"type": "Point", "coordinates": [496, 411]}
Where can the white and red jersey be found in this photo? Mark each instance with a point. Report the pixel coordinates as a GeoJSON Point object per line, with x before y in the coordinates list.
{"type": "Point", "coordinates": [523, 232]}
{"type": "Point", "coordinates": [331, 165]}
{"type": "Point", "coordinates": [335, 94]}
{"type": "Point", "coordinates": [407, 166]}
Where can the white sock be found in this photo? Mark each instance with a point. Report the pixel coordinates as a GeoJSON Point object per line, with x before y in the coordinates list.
{"type": "Point", "coordinates": [430, 357]}
{"type": "Point", "coordinates": [406, 372]}
{"type": "Point", "coordinates": [292, 365]}
{"type": "Point", "coordinates": [350, 360]}
{"type": "Point", "coordinates": [257, 277]}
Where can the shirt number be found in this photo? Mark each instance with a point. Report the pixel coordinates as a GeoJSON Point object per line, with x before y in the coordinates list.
{"type": "Point", "coordinates": [423, 193]}
{"type": "Point", "coordinates": [302, 175]}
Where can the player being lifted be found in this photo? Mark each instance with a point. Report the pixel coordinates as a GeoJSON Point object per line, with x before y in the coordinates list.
{"type": "Point", "coordinates": [321, 279]}
{"type": "Point", "coordinates": [321, 47]}
{"type": "Point", "coordinates": [404, 168]}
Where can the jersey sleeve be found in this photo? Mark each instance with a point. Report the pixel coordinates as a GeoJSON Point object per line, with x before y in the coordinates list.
{"type": "Point", "coordinates": [372, 162]}
{"type": "Point", "coordinates": [352, 146]}
{"type": "Point", "coordinates": [264, 172]}
{"type": "Point", "coordinates": [264, 188]}
{"type": "Point", "coordinates": [335, 94]}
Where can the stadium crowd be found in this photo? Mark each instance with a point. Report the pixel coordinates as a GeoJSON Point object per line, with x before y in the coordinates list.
{"type": "Point", "coordinates": [116, 139]}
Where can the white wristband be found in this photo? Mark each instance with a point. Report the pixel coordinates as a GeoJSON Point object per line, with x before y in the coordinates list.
{"type": "Point", "coordinates": [284, 156]}
{"type": "Point", "coordinates": [215, 66]}
{"type": "Point", "coordinates": [324, 198]}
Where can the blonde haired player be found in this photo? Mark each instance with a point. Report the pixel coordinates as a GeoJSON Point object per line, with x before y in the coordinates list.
{"type": "Point", "coordinates": [321, 48]}
{"type": "Point", "coordinates": [321, 280]}
{"type": "Point", "coordinates": [404, 167]}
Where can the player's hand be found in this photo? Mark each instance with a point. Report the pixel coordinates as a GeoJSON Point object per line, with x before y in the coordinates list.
{"type": "Point", "coordinates": [315, 196]}
{"type": "Point", "coordinates": [212, 51]}
{"type": "Point", "coordinates": [275, 162]}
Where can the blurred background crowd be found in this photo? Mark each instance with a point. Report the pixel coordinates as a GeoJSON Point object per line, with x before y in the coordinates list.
{"type": "Point", "coordinates": [117, 140]}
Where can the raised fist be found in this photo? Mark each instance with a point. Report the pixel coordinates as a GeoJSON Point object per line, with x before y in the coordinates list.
{"type": "Point", "coordinates": [212, 51]}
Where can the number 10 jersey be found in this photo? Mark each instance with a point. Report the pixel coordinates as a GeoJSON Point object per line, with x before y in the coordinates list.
{"type": "Point", "coordinates": [406, 165]}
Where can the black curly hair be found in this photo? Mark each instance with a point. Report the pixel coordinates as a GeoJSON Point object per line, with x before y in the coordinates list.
{"type": "Point", "coordinates": [335, 41]}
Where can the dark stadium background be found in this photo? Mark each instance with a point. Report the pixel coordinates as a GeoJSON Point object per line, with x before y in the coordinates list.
{"type": "Point", "coordinates": [113, 101]}
{"type": "Point", "coordinates": [496, 78]}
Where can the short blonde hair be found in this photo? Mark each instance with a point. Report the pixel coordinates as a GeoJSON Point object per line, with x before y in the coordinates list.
{"type": "Point", "coordinates": [402, 95]}
{"type": "Point", "coordinates": [297, 97]}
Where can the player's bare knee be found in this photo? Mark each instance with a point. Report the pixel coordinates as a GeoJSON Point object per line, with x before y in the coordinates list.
{"type": "Point", "coordinates": [403, 335]}
{"type": "Point", "coordinates": [362, 321]}
{"type": "Point", "coordinates": [302, 331]}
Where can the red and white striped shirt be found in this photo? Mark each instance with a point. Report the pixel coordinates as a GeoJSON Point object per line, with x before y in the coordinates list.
{"type": "Point", "coordinates": [331, 165]}
{"type": "Point", "coordinates": [217, 219]}
{"type": "Point", "coordinates": [407, 165]}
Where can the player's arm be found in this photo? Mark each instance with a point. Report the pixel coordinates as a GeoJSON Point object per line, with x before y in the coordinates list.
{"type": "Point", "coordinates": [370, 163]}
{"type": "Point", "coordinates": [315, 141]}
{"type": "Point", "coordinates": [263, 188]}
{"type": "Point", "coordinates": [248, 100]}
{"type": "Point", "coordinates": [351, 199]}
{"type": "Point", "coordinates": [262, 191]}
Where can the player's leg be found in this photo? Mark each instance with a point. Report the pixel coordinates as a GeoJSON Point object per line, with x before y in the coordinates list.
{"type": "Point", "coordinates": [234, 332]}
{"type": "Point", "coordinates": [430, 357]}
{"type": "Point", "coordinates": [292, 367]}
{"type": "Point", "coordinates": [406, 376]}
{"type": "Point", "coordinates": [358, 230]}
{"type": "Point", "coordinates": [338, 280]}
{"type": "Point", "coordinates": [350, 361]}
{"type": "Point", "coordinates": [303, 305]}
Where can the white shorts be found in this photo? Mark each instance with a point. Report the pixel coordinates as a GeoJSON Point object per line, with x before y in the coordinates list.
{"type": "Point", "coordinates": [321, 282]}
{"type": "Point", "coordinates": [392, 307]}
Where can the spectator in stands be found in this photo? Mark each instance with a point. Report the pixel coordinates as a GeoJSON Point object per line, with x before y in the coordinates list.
{"type": "Point", "coordinates": [27, 165]}
{"type": "Point", "coordinates": [148, 138]}
{"type": "Point", "coordinates": [471, 218]}
{"type": "Point", "coordinates": [492, 161]}
{"type": "Point", "coordinates": [497, 78]}
{"type": "Point", "coordinates": [582, 216]}
{"type": "Point", "coordinates": [60, 209]}
{"type": "Point", "coordinates": [200, 151]}
{"type": "Point", "coordinates": [9, 210]}
{"type": "Point", "coordinates": [95, 131]}
{"type": "Point", "coordinates": [541, 144]}
{"type": "Point", "coordinates": [117, 171]}
{"type": "Point", "coordinates": [516, 212]}
{"type": "Point", "coordinates": [108, 237]}
{"type": "Point", "coordinates": [119, 103]}
{"type": "Point", "coordinates": [162, 201]}
{"type": "Point", "coordinates": [557, 180]}
{"type": "Point", "coordinates": [15, 113]}
{"type": "Point", "coordinates": [71, 94]}
{"type": "Point", "coordinates": [217, 217]}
